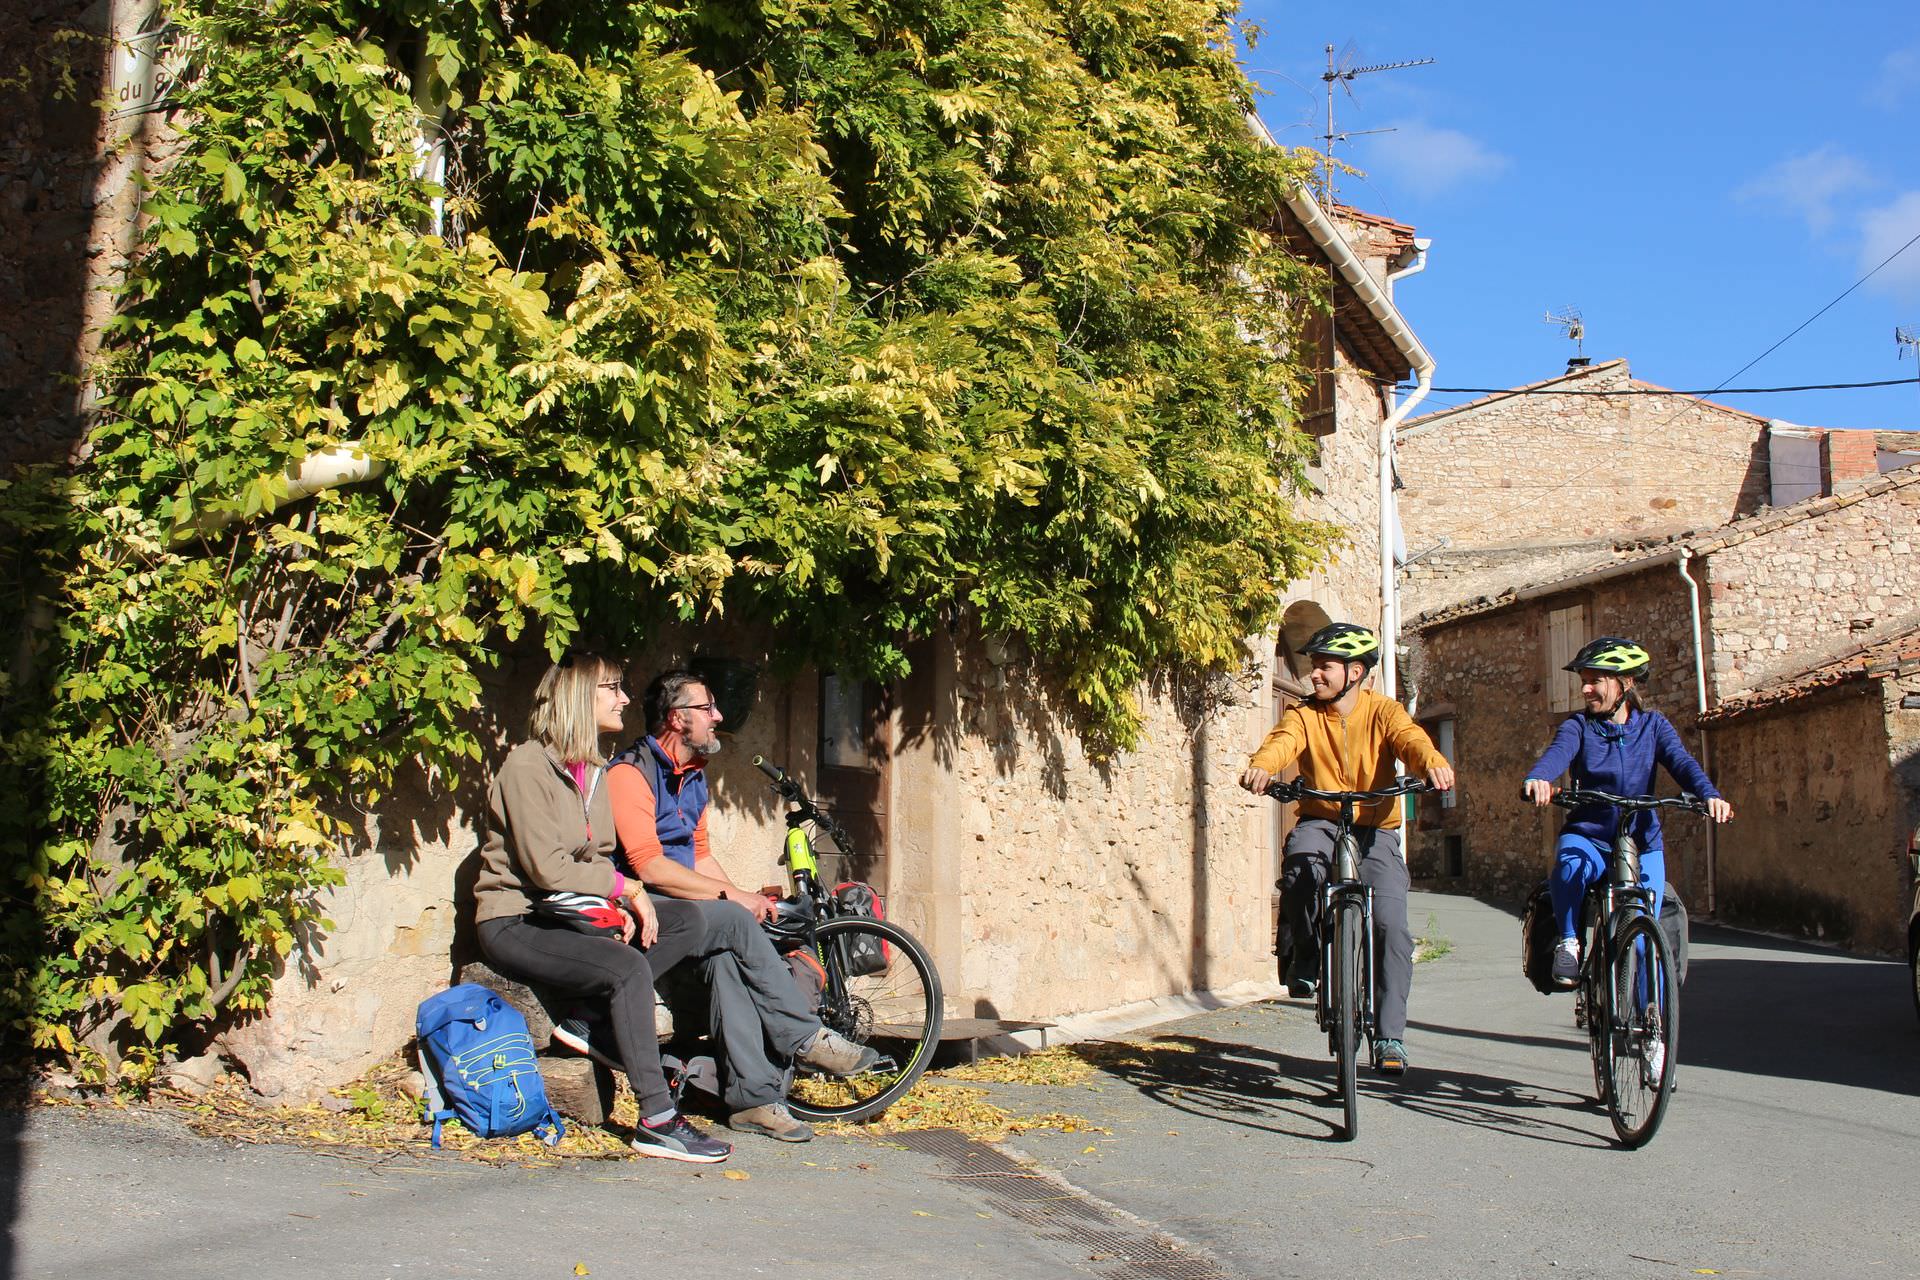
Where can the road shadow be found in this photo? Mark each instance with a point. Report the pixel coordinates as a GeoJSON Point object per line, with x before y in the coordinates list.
{"type": "Point", "coordinates": [1781, 1009]}
{"type": "Point", "coordinates": [1276, 1092]}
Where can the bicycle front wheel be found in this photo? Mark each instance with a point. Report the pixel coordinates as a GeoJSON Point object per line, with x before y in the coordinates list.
{"type": "Point", "coordinates": [881, 991]}
{"type": "Point", "coordinates": [1643, 1026]}
{"type": "Point", "coordinates": [1349, 1003]}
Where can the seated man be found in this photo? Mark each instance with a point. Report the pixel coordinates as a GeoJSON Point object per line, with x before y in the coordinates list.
{"type": "Point", "coordinates": [759, 1021]}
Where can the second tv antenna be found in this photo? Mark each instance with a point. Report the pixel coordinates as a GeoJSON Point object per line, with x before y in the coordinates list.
{"type": "Point", "coordinates": [1344, 75]}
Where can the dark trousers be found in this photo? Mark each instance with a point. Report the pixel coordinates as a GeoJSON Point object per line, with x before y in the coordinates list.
{"type": "Point", "coordinates": [754, 1007]}
{"type": "Point", "coordinates": [597, 967]}
{"type": "Point", "coordinates": [1304, 872]}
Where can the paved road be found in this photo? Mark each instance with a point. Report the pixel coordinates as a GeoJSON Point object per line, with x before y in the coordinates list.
{"type": "Point", "coordinates": [1791, 1150]}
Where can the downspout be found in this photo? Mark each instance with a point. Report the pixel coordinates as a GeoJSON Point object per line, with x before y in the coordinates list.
{"type": "Point", "coordinates": [1700, 694]}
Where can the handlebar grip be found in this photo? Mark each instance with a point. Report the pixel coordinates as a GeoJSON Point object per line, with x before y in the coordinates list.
{"type": "Point", "coordinates": [771, 770]}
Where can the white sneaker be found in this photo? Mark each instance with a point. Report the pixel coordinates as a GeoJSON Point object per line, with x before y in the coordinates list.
{"type": "Point", "coordinates": [1566, 960]}
{"type": "Point", "coordinates": [1655, 1063]}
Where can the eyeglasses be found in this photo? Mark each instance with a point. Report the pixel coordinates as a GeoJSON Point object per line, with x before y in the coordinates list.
{"type": "Point", "coordinates": [707, 707]}
{"type": "Point", "coordinates": [616, 685]}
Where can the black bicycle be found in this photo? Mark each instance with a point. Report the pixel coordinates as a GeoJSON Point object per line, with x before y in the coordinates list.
{"type": "Point", "coordinates": [878, 986]}
{"type": "Point", "coordinates": [1344, 1005]}
{"type": "Point", "coordinates": [1629, 994]}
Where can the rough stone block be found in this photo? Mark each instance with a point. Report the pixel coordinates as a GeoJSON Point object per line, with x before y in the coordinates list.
{"type": "Point", "coordinates": [519, 995]}
{"type": "Point", "coordinates": [579, 1088]}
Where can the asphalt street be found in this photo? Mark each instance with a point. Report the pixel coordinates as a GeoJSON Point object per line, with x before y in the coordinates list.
{"type": "Point", "coordinates": [1792, 1149]}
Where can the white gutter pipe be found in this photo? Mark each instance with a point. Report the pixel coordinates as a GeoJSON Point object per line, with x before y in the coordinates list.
{"type": "Point", "coordinates": [1700, 693]}
{"type": "Point", "coordinates": [348, 464]}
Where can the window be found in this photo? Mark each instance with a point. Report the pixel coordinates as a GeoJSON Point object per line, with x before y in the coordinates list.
{"type": "Point", "coordinates": [1566, 632]}
{"type": "Point", "coordinates": [846, 728]}
{"type": "Point", "coordinates": [1441, 732]}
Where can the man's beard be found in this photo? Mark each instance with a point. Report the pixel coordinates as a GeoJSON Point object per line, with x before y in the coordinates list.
{"type": "Point", "coordinates": [713, 748]}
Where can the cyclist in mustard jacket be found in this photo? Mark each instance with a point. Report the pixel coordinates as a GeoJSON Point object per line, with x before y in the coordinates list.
{"type": "Point", "coordinates": [1347, 738]}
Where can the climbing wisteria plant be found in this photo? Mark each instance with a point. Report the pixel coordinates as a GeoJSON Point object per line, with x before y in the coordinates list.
{"type": "Point", "coordinates": [458, 320]}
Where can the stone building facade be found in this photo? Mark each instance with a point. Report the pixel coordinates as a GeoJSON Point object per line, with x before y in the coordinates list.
{"type": "Point", "coordinates": [1771, 591]}
{"type": "Point", "coordinates": [1829, 761]}
{"type": "Point", "coordinates": [76, 135]}
{"type": "Point", "coordinates": [1533, 480]}
{"type": "Point", "coordinates": [1046, 884]}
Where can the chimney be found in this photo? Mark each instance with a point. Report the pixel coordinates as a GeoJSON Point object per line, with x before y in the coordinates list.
{"type": "Point", "coordinates": [1848, 460]}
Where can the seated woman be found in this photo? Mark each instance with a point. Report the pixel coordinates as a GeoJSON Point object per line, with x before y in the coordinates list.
{"type": "Point", "coordinates": [550, 832]}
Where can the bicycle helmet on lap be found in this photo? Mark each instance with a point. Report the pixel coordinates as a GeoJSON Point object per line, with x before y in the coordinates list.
{"type": "Point", "coordinates": [788, 924]}
{"type": "Point", "coordinates": [1612, 654]}
{"type": "Point", "coordinates": [1346, 640]}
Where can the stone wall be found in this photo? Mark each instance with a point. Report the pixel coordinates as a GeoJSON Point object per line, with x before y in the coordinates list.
{"type": "Point", "coordinates": [1491, 674]}
{"type": "Point", "coordinates": [1573, 467]}
{"type": "Point", "coordinates": [1822, 823]}
{"type": "Point", "coordinates": [1446, 577]}
{"type": "Point", "coordinates": [69, 209]}
{"type": "Point", "coordinates": [1806, 584]}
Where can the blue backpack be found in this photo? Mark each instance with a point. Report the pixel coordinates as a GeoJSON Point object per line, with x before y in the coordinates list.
{"type": "Point", "coordinates": [477, 1057]}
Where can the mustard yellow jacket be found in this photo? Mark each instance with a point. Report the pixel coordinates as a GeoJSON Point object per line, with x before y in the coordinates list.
{"type": "Point", "coordinates": [1353, 752]}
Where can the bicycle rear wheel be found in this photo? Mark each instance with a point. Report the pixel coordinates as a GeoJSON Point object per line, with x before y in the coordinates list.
{"type": "Point", "coordinates": [1643, 1026]}
{"type": "Point", "coordinates": [1349, 1003]}
{"type": "Point", "coordinates": [895, 1008]}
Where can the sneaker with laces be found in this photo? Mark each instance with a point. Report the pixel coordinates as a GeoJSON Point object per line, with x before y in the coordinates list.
{"type": "Point", "coordinates": [773, 1120]}
{"type": "Point", "coordinates": [677, 1140]}
{"type": "Point", "coordinates": [836, 1055]}
{"type": "Point", "coordinates": [590, 1039]}
{"type": "Point", "coordinates": [1566, 961]}
{"type": "Point", "coordinates": [1653, 1063]}
{"type": "Point", "coordinates": [1390, 1058]}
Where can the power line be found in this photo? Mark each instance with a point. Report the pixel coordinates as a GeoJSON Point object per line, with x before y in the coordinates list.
{"type": "Point", "coordinates": [1662, 391]}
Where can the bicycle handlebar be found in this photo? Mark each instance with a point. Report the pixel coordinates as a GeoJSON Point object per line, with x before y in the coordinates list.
{"type": "Point", "coordinates": [790, 791]}
{"type": "Point", "coordinates": [1573, 798]}
{"type": "Point", "coordinates": [1297, 790]}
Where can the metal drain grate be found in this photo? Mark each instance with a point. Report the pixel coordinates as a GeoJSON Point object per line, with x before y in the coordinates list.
{"type": "Point", "coordinates": [1056, 1210]}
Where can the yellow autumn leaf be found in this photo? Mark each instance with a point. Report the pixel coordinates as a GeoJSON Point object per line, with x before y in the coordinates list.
{"type": "Point", "coordinates": [1087, 1151]}
{"type": "Point", "coordinates": [921, 1213]}
{"type": "Point", "coordinates": [736, 1175]}
{"type": "Point", "coordinates": [580, 1269]}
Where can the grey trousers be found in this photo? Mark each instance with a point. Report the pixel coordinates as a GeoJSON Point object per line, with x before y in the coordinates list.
{"type": "Point", "coordinates": [754, 1011]}
{"type": "Point", "coordinates": [1304, 871]}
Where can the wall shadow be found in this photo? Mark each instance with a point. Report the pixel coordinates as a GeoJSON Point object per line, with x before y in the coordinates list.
{"type": "Point", "coordinates": [1800, 1014]}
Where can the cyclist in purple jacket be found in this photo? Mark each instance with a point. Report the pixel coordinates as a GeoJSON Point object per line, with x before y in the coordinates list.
{"type": "Point", "coordinates": [1612, 746]}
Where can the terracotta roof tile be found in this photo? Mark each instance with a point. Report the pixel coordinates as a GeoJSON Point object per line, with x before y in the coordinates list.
{"type": "Point", "coordinates": [1896, 652]}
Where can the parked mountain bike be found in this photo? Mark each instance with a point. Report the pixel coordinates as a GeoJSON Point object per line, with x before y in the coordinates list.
{"type": "Point", "coordinates": [879, 986]}
{"type": "Point", "coordinates": [1344, 1005]}
{"type": "Point", "coordinates": [1629, 992]}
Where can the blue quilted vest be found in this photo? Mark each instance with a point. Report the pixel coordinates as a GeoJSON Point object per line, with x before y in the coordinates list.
{"type": "Point", "coordinates": [678, 799]}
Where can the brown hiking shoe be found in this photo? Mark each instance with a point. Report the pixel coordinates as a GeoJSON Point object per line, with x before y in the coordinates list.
{"type": "Point", "coordinates": [774, 1120]}
{"type": "Point", "coordinates": [836, 1055]}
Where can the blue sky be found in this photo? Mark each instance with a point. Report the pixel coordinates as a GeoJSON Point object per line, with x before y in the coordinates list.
{"type": "Point", "coordinates": [1697, 179]}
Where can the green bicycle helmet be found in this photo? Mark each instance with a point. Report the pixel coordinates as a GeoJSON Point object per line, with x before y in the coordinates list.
{"type": "Point", "coordinates": [1612, 654]}
{"type": "Point", "coordinates": [1346, 640]}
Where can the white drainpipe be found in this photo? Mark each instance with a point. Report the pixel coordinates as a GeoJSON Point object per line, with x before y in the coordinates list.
{"type": "Point", "coordinates": [1700, 694]}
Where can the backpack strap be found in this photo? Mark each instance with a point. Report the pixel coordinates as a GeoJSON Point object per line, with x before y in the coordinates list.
{"type": "Point", "coordinates": [436, 1100]}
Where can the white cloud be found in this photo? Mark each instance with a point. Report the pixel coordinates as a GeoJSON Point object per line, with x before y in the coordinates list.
{"type": "Point", "coordinates": [1809, 185]}
{"type": "Point", "coordinates": [1899, 76]}
{"type": "Point", "coordinates": [1430, 160]}
{"type": "Point", "coordinates": [1882, 232]}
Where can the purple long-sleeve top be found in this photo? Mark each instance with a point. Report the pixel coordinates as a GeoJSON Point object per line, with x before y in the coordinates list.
{"type": "Point", "coordinates": [1599, 755]}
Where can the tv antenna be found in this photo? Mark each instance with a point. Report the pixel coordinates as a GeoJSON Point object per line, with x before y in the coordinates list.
{"type": "Point", "coordinates": [1906, 338]}
{"type": "Point", "coordinates": [1344, 74]}
{"type": "Point", "coordinates": [1572, 326]}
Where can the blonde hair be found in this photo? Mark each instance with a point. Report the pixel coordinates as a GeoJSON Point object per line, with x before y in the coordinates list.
{"type": "Point", "coordinates": [564, 714]}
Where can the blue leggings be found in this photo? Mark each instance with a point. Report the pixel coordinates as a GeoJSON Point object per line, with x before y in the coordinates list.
{"type": "Point", "coordinates": [1581, 862]}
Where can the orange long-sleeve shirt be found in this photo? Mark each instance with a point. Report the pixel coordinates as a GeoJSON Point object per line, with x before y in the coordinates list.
{"type": "Point", "coordinates": [1354, 752]}
{"type": "Point", "coordinates": [634, 819]}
